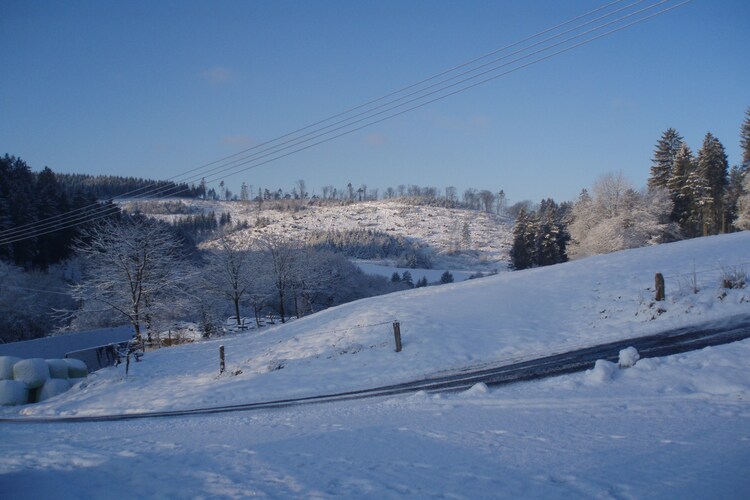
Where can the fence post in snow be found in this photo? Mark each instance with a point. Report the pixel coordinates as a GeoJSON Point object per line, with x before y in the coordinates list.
{"type": "Point", "coordinates": [660, 294]}
{"type": "Point", "coordinates": [221, 359]}
{"type": "Point", "coordinates": [397, 335]}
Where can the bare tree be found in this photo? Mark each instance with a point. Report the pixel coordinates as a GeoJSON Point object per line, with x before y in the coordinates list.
{"type": "Point", "coordinates": [450, 194]}
{"type": "Point", "coordinates": [487, 199]}
{"type": "Point", "coordinates": [302, 188]}
{"type": "Point", "coordinates": [132, 266]}
{"type": "Point", "coordinates": [229, 272]}
{"type": "Point", "coordinates": [281, 256]}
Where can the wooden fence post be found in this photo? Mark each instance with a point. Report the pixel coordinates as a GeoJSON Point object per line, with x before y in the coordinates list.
{"type": "Point", "coordinates": [397, 335]}
{"type": "Point", "coordinates": [660, 293]}
{"type": "Point", "coordinates": [221, 359]}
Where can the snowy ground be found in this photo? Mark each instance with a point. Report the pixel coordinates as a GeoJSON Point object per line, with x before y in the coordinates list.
{"type": "Point", "coordinates": [432, 275]}
{"type": "Point", "coordinates": [676, 427]}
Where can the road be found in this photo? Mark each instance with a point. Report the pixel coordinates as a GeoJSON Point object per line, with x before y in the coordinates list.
{"type": "Point", "coordinates": [661, 344]}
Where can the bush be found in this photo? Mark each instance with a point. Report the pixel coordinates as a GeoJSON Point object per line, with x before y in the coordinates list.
{"type": "Point", "coordinates": [734, 278]}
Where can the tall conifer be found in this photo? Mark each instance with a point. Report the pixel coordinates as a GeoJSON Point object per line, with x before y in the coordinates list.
{"type": "Point", "coordinates": [663, 160]}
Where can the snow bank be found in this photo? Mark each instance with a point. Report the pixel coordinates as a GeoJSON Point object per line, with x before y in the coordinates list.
{"type": "Point", "coordinates": [33, 372]}
{"type": "Point", "coordinates": [628, 357]}
{"type": "Point", "coordinates": [6, 366]}
{"type": "Point", "coordinates": [58, 368]}
{"type": "Point", "coordinates": [476, 389]}
{"type": "Point", "coordinates": [52, 387]}
{"type": "Point", "coordinates": [13, 392]}
{"type": "Point", "coordinates": [601, 373]}
{"type": "Point", "coordinates": [76, 368]}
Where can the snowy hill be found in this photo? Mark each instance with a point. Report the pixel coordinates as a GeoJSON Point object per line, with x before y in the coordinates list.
{"type": "Point", "coordinates": [605, 433]}
{"type": "Point", "coordinates": [439, 229]}
{"type": "Point", "coordinates": [505, 317]}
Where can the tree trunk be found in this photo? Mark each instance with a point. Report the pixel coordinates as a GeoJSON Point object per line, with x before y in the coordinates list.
{"type": "Point", "coordinates": [281, 304]}
{"type": "Point", "coordinates": [237, 310]}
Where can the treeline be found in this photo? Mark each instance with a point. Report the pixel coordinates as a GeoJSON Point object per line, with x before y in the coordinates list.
{"type": "Point", "coordinates": [369, 244]}
{"type": "Point", "coordinates": [27, 198]}
{"type": "Point", "coordinates": [104, 187]}
{"type": "Point", "coordinates": [704, 191]}
{"type": "Point", "coordinates": [298, 197]}
{"type": "Point", "coordinates": [688, 195]}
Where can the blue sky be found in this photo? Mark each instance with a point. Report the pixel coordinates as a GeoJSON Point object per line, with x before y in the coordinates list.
{"type": "Point", "coordinates": [156, 88]}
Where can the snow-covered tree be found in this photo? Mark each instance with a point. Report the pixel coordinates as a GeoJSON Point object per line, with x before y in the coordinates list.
{"type": "Point", "coordinates": [618, 217]}
{"type": "Point", "coordinates": [682, 197]}
{"type": "Point", "coordinates": [743, 206]}
{"type": "Point", "coordinates": [745, 141]}
{"type": "Point", "coordinates": [713, 168]}
{"type": "Point", "coordinates": [663, 160]}
{"type": "Point", "coordinates": [132, 267]}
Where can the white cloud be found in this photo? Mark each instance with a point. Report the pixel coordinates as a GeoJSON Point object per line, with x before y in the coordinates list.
{"type": "Point", "coordinates": [218, 75]}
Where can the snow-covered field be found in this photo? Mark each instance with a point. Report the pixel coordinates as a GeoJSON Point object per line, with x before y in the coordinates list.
{"type": "Point", "coordinates": [672, 427]}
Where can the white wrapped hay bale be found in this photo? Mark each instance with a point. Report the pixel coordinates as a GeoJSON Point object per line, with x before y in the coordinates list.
{"type": "Point", "coordinates": [13, 392]}
{"type": "Point", "coordinates": [33, 372]}
{"type": "Point", "coordinates": [58, 368]}
{"type": "Point", "coordinates": [52, 388]}
{"type": "Point", "coordinates": [76, 368]}
{"type": "Point", "coordinates": [6, 367]}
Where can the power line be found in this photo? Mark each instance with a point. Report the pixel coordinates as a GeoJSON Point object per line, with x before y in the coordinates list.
{"type": "Point", "coordinates": [231, 168]}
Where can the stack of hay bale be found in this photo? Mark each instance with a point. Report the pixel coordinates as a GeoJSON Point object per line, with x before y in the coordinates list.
{"type": "Point", "coordinates": [24, 381]}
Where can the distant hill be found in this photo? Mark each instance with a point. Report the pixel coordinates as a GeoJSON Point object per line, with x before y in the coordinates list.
{"type": "Point", "coordinates": [452, 238]}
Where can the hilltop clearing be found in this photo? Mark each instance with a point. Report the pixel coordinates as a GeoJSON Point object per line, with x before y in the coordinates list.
{"type": "Point", "coordinates": [454, 238]}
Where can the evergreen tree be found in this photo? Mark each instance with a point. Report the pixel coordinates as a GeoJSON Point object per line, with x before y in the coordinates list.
{"type": "Point", "coordinates": [663, 160]}
{"type": "Point", "coordinates": [732, 195]}
{"type": "Point", "coordinates": [522, 251]}
{"type": "Point", "coordinates": [698, 218]}
{"type": "Point", "coordinates": [551, 236]}
{"type": "Point", "coordinates": [407, 279]}
{"type": "Point", "coordinates": [713, 168]}
{"type": "Point", "coordinates": [745, 141]}
{"type": "Point", "coordinates": [682, 201]}
{"type": "Point", "coordinates": [446, 277]}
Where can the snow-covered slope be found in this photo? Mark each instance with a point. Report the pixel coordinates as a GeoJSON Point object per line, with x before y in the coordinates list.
{"type": "Point", "coordinates": [504, 317]}
{"type": "Point", "coordinates": [441, 229]}
{"type": "Point", "coordinates": [674, 427]}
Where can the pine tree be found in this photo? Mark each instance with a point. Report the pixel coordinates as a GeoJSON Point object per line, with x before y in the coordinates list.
{"type": "Point", "coordinates": [745, 141]}
{"type": "Point", "coordinates": [663, 160]}
{"type": "Point", "coordinates": [407, 279]}
{"type": "Point", "coordinates": [684, 165]}
{"type": "Point", "coordinates": [522, 251]}
{"type": "Point", "coordinates": [732, 195]}
{"type": "Point", "coordinates": [713, 168]}
{"type": "Point", "coordinates": [446, 277]}
{"type": "Point", "coordinates": [698, 217]}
